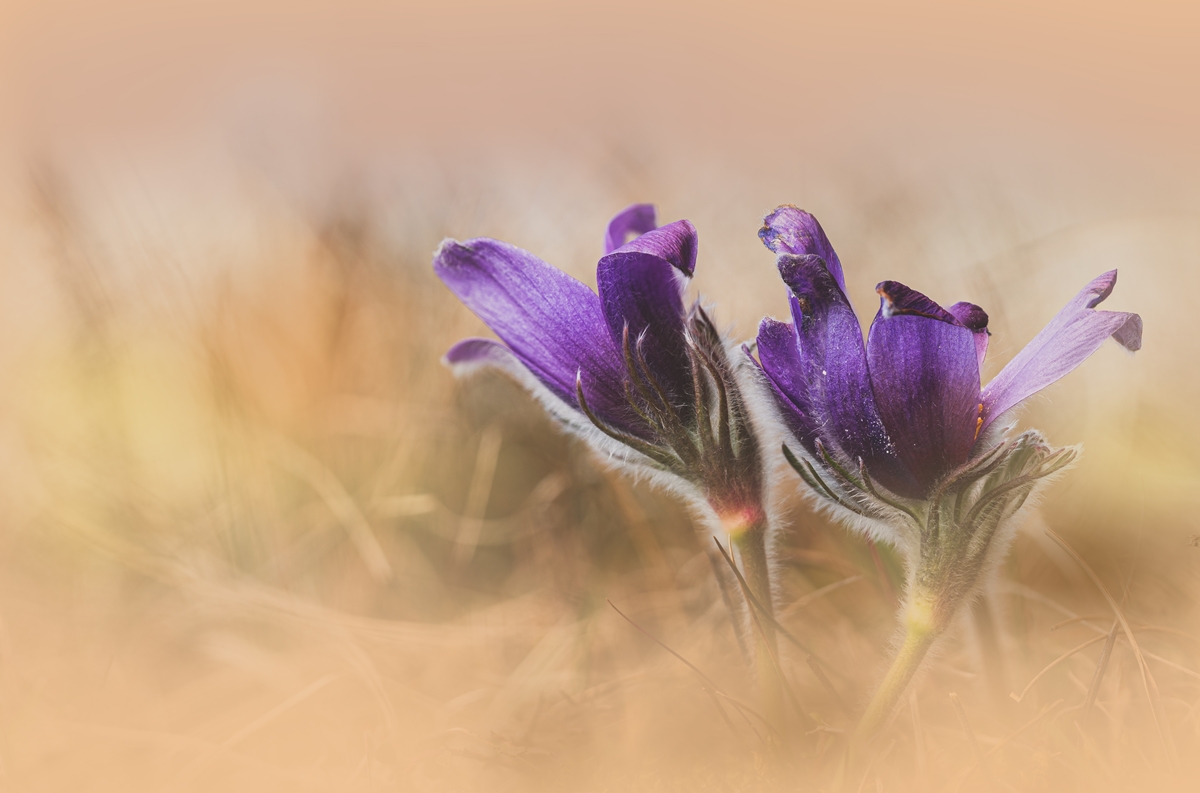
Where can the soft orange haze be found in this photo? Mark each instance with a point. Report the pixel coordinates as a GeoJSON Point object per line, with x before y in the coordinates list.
{"type": "Point", "coordinates": [388, 76]}
{"type": "Point", "coordinates": [253, 536]}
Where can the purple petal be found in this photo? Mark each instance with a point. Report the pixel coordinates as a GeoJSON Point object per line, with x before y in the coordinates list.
{"type": "Point", "coordinates": [975, 319]}
{"type": "Point", "coordinates": [832, 367]}
{"type": "Point", "coordinates": [925, 374]}
{"type": "Point", "coordinates": [642, 293]}
{"type": "Point", "coordinates": [474, 353]}
{"type": "Point", "coordinates": [899, 300]}
{"type": "Point", "coordinates": [1075, 333]}
{"type": "Point", "coordinates": [790, 229]}
{"type": "Point", "coordinates": [779, 352]}
{"type": "Point", "coordinates": [551, 322]}
{"type": "Point", "coordinates": [969, 315]}
{"type": "Point", "coordinates": [636, 220]}
{"type": "Point", "coordinates": [675, 242]}
{"type": "Point", "coordinates": [896, 300]}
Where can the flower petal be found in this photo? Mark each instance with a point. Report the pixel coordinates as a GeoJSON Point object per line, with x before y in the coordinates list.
{"type": "Point", "coordinates": [779, 353]}
{"type": "Point", "coordinates": [925, 375]}
{"type": "Point", "coordinates": [969, 315]}
{"type": "Point", "coordinates": [636, 219]}
{"type": "Point", "coordinates": [475, 351]}
{"type": "Point", "coordinates": [472, 354]}
{"type": "Point", "coordinates": [790, 229]}
{"type": "Point", "coordinates": [975, 319]}
{"type": "Point", "coordinates": [833, 368]}
{"type": "Point", "coordinates": [1075, 333]}
{"type": "Point", "coordinates": [896, 300]}
{"type": "Point", "coordinates": [675, 242]}
{"type": "Point", "coordinates": [551, 322]}
{"type": "Point", "coordinates": [641, 287]}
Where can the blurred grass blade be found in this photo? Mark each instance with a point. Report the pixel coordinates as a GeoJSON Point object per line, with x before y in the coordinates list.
{"type": "Point", "coordinates": [304, 466]}
{"type": "Point", "coordinates": [1160, 717]}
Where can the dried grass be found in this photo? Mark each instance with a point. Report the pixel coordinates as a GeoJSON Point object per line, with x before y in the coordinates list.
{"type": "Point", "coordinates": [256, 538]}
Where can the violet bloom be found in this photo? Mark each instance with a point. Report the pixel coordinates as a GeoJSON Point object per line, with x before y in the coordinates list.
{"type": "Point", "coordinates": [646, 381]}
{"type": "Point", "coordinates": [899, 432]}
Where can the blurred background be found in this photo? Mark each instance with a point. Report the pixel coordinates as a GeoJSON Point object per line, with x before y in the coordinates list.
{"type": "Point", "coordinates": [253, 536]}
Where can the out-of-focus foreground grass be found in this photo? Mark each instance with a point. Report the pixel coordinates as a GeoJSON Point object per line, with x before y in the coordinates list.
{"type": "Point", "coordinates": [256, 538]}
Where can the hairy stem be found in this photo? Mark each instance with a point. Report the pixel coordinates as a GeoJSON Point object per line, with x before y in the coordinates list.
{"type": "Point", "coordinates": [920, 634]}
{"type": "Point", "coordinates": [750, 542]}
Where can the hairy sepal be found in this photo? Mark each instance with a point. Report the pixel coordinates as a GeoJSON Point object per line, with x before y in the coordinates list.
{"type": "Point", "coordinates": [971, 520]}
{"type": "Point", "coordinates": [952, 540]}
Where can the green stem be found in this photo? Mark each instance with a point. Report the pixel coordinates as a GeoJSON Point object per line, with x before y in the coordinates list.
{"type": "Point", "coordinates": [920, 634]}
{"type": "Point", "coordinates": [752, 550]}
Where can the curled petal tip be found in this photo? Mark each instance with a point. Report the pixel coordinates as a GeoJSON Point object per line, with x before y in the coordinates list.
{"type": "Point", "coordinates": [686, 246]}
{"type": "Point", "coordinates": [780, 229]}
{"type": "Point", "coordinates": [791, 230]}
{"type": "Point", "coordinates": [1129, 335]}
{"type": "Point", "coordinates": [453, 255]}
{"type": "Point", "coordinates": [636, 219]}
{"type": "Point", "coordinates": [676, 243]}
{"type": "Point", "coordinates": [1071, 337]}
{"type": "Point", "coordinates": [1101, 287]}
{"type": "Point", "coordinates": [804, 272]}
{"type": "Point", "coordinates": [896, 299]}
{"type": "Point", "coordinates": [445, 250]}
{"type": "Point", "coordinates": [970, 316]}
{"type": "Point", "coordinates": [466, 351]}
{"type": "Point", "coordinates": [470, 354]}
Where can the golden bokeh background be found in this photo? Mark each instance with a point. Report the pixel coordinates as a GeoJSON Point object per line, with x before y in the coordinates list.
{"type": "Point", "coordinates": [253, 536]}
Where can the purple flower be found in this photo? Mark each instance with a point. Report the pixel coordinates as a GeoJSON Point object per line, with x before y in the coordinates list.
{"type": "Point", "coordinates": [652, 376]}
{"type": "Point", "coordinates": [907, 406]}
{"type": "Point", "coordinates": [906, 411]}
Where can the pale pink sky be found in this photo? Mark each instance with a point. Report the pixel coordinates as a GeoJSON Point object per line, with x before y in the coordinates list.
{"type": "Point", "coordinates": [751, 75]}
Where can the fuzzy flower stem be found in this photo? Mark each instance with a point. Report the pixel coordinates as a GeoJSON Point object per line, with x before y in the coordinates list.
{"type": "Point", "coordinates": [749, 538]}
{"type": "Point", "coordinates": [920, 632]}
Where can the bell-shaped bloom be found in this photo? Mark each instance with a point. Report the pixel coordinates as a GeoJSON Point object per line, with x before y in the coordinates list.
{"type": "Point", "coordinates": [899, 432]}
{"type": "Point", "coordinates": [631, 361]}
{"type": "Point", "coordinates": [907, 405]}
{"type": "Point", "coordinates": [641, 377]}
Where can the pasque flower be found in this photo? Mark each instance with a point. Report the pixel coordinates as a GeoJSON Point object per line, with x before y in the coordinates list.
{"type": "Point", "coordinates": [899, 433]}
{"type": "Point", "coordinates": [641, 377]}
{"type": "Point", "coordinates": [646, 381]}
